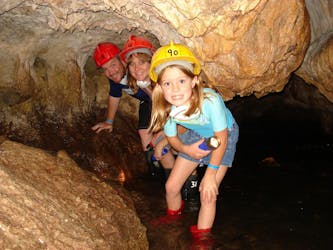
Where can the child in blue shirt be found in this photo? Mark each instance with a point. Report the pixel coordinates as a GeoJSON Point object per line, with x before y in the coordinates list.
{"type": "Point", "coordinates": [180, 98]}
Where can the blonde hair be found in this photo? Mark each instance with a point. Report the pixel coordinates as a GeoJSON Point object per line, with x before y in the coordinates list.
{"type": "Point", "coordinates": [161, 108]}
{"type": "Point", "coordinates": [131, 80]}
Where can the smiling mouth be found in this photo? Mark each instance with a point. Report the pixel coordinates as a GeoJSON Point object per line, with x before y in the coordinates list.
{"type": "Point", "coordinates": [116, 76]}
{"type": "Point", "coordinates": [177, 97]}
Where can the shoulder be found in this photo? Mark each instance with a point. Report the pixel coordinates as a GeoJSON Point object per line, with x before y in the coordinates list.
{"type": "Point", "coordinates": [210, 95]}
{"type": "Point", "coordinates": [212, 101]}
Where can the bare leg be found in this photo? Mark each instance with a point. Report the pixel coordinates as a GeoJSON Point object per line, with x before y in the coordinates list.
{"type": "Point", "coordinates": [208, 210]}
{"type": "Point", "coordinates": [180, 172]}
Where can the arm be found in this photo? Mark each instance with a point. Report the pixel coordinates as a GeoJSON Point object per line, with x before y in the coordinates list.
{"type": "Point", "coordinates": [192, 150]}
{"type": "Point", "coordinates": [209, 186]}
{"type": "Point", "coordinates": [164, 142]}
{"type": "Point", "coordinates": [215, 109]}
{"type": "Point", "coordinates": [113, 104]}
{"type": "Point", "coordinates": [159, 147]}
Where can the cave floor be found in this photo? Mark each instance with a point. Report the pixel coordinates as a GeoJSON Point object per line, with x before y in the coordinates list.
{"type": "Point", "coordinates": [274, 197]}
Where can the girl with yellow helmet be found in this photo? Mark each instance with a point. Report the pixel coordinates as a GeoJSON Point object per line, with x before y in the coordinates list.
{"type": "Point", "coordinates": [179, 98]}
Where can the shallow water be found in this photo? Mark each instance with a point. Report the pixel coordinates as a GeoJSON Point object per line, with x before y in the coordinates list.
{"type": "Point", "coordinates": [276, 196]}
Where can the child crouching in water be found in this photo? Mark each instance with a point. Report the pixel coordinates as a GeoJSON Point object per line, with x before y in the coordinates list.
{"type": "Point", "coordinates": [179, 98]}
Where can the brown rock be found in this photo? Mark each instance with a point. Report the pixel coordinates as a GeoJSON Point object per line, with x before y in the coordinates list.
{"type": "Point", "coordinates": [48, 202]}
{"type": "Point", "coordinates": [317, 67]}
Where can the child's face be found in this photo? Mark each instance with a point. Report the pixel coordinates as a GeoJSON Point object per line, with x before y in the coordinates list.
{"type": "Point", "coordinates": [177, 86]}
{"type": "Point", "coordinates": [114, 69]}
{"type": "Point", "coordinates": [139, 68]}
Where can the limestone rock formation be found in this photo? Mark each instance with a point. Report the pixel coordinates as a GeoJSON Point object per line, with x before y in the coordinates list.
{"type": "Point", "coordinates": [317, 67]}
{"type": "Point", "coordinates": [48, 202]}
{"type": "Point", "coordinates": [245, 47]}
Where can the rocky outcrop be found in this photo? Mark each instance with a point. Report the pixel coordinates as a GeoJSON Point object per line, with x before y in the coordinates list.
{"type": "Point", "coordinates": [245, 47]}
{"type": "Point", "coordinates": [48, 202]}
{"type": "Point", "coordinates": [317, 66]}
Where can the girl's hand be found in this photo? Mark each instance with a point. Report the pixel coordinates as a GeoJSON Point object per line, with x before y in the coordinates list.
{"type": "Point", "coordinates": [158, 151]}
{"type": "Point", "coordinates": [159, 148]}
{"type": "Point", "coordinates": [208, 188]}
{"type": "Point", "coordinates": [194, 151]}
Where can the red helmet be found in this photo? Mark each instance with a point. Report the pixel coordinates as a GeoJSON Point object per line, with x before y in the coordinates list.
{"type": "Point", "coordinates": [136, 44]}
{"type": "Point", "coordinates": [104, 52]}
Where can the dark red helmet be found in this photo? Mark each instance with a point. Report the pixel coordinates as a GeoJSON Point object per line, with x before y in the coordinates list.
{"type": "Point", "coordinates": [104, 52]}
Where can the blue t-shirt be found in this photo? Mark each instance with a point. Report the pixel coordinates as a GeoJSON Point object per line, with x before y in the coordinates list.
{"type": "Point", "coordinates": [116, 90]}
{"type": "Point", "coordinates": [214, 117]}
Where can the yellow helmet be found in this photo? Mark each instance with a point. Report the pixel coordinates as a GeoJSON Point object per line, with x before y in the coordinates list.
{"type": "Point", "coordinates": [166, 55]}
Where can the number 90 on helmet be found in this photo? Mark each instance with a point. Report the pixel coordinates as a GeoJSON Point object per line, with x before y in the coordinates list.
{"type": "Point", "coordinates": [166, 55]}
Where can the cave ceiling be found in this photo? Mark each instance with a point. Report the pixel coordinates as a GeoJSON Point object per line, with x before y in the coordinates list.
{"type": "Point", "coordinates": [245, 47]}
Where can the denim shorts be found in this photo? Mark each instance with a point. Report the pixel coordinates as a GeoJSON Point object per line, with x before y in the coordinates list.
{"type": "Point", "coordinates": [190, 137]}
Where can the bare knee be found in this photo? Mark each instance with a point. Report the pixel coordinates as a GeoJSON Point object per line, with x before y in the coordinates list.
{"type": "Point", "coordinates": [171, 189]}
{"type": "Point", "coordinates": [206, 204]}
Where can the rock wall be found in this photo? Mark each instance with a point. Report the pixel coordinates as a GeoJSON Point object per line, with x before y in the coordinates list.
{"type": "Point", "coordinates": [48, 202]}
{"type": "Point", "coordinates": [317, 66]}
{"type": "Point", "coordinates": [245, 47]}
